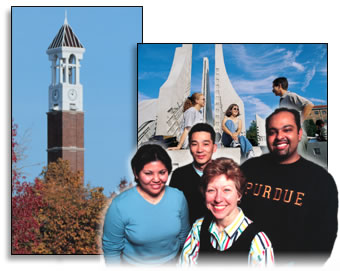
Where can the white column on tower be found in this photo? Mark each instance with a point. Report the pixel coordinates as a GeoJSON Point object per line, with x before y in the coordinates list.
{"type": "Point", "coordinates": [225, 94]}
{"type": "Point", "coordinates": [53, 70]}
{"type": "Point", "coordinates": [77, 75]}
{"type": "Point", "coordinates": [66, 79]}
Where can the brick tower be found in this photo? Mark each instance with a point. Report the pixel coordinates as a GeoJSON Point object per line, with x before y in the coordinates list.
{"type": "Point", "coordinates": [65, 118]}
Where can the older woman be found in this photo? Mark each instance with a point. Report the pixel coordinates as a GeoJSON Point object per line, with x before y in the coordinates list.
{"type": "Point", "coordinates": [232, 127]}
{"type": "Point", "coordinates": [225, 235]}
{"type": "Point", "coordinates": [148, 223]}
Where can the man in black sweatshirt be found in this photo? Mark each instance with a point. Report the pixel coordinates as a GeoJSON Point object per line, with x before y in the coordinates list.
{"type": "Point", "coordinates": [295, 200]}
{"type": "Point", "coordinates": [187, 178]}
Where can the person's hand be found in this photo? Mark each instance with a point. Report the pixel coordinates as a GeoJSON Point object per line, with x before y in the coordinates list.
{"type": "Point", "coordinates": [234, 137]}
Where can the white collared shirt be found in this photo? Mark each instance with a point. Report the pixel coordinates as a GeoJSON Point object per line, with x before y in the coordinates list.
{"type": "Point", "coordinates": [260, 254]}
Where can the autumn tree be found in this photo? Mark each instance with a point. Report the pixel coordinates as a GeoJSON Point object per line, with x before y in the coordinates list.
{"type": "Point", "coordinates": [26, 202]}
{"type": "Point", "coordinates": [124, 185]}
{"type": "Point", "coordinates": [55, 214]}
{"type": "Point", "coordinates": [72, 217]}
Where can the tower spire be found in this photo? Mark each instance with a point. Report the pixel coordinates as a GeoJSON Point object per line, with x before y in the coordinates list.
{"type": "Point", "coordinates": [65, 21]}
{"type": "Point", "coordinates": [65, 116]}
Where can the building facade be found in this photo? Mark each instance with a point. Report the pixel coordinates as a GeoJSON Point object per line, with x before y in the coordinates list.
{"type": "Point", "coordinates": [319, 112]}
{"type": "Point", "coordinates": [65, 116]}
{"type": "Point", "coordinates": [225, 94]}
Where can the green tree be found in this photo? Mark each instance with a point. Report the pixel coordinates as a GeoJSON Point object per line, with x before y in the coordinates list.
{"type": "Point", "coordinates": [252, 133]}
{"type": "Point", "coordinates": [309, 127]}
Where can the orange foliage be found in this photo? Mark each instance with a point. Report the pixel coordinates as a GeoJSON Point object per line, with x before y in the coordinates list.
{"type": "Point", "coordinates": [71, 218]}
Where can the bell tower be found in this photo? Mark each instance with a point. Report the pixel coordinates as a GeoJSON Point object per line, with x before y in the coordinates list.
{"type": "Point", "coordinates": [65, 116]}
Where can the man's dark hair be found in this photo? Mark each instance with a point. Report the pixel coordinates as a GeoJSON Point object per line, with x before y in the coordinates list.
{"type": "Point", "coordinates": [202, 127]}
{"type": "Point", "coordinates": [295, 113]}
{"type": "Point", "coordinates": [150, 153]}
{"type": "Point", "coordinates": [281, 81]}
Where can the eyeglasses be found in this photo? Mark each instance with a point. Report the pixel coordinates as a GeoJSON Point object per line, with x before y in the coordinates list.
{"type": "Point", "coordinates": [235, 108]}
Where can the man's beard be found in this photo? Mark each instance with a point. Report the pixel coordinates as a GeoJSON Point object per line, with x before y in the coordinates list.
{"type": "Point", "coordinates": [281, 156]}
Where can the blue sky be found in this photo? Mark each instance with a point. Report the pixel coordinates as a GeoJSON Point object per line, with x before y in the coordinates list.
{"type": "Point", "coordinates": [251, 69]}
{"type": "Point", "coordinates": [107, 73]}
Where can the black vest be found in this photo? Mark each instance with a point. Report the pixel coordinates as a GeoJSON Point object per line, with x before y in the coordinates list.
{"type": "Point", "coordinates": [237, 254]}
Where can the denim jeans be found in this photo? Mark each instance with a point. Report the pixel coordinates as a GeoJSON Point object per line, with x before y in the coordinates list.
{"type": "Point", "coordinates": [227, 139]}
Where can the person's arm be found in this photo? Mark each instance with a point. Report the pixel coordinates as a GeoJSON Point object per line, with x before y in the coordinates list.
{"type": "Point", "coordinates": [306, 111]}
{"type": "Point", "coordinates": [239, 128]}
{"type": "Point", "coordinates": [113, 235]}
{"type": "Point", "coordinates": [225, 129]}
{"type": "Point", "coordinates": [302, 104]}
{"type": "Point", "coordinates": [191, 246]}
{"type": "Point", "coordinates": [184, 215]}
{"type": "Point", "coordinates": [189, 121]}
{"type": "Point", "coordinates": [261, 251]}
{"type": "Point", "coordinates": [326, 206]}
{"type": "Point", "coordinates": [182, 139]}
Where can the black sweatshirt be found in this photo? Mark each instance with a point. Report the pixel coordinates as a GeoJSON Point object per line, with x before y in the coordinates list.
{"type": "Point", "coordinates": [296, 205]}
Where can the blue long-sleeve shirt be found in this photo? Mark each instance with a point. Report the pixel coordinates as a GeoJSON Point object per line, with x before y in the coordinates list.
{"type": "Point", "coordinates": [144, 233]}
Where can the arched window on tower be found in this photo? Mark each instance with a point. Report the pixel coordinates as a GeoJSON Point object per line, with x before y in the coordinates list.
{"type": "Point", "coordinates": [72, 70]}
{"type": "Point", "coordinates": [57, 70]}
{"type": "Point", "coordinates": [63, 67]}
{"type": "Point", "coordinates": [55, 75]}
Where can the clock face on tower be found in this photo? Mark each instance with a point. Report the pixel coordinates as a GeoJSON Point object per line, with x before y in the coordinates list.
{"type": "Point", "coordinates": [72, 94]}
{"type": "Point", "coordinates": [55, 94]}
